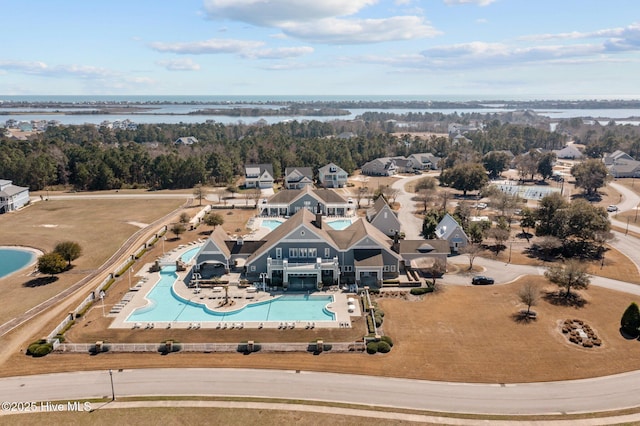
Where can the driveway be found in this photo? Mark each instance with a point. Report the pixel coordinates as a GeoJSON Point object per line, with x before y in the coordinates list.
{"type": "Point", "coordinates": [411, 225]}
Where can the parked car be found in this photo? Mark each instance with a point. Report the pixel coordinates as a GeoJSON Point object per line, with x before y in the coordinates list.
{"type": "Point", "coordinates": [612, 208]}
{"type": "Point", "coordinates": [480, 206]}
{"type": "Point", "coordinates": [481, 280]}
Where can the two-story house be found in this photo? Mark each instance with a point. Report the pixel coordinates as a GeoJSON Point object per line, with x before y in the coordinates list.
{"type": "Point", "coordinates": [258, 176]}
{"type": "Point", "coordinates": [12, 197]}
{"type": "Point", "coordinates": [332, 176]}
{"type": "Point", "coordinates": [450, 230]}
{"type": "Point", "coordinates": [383, 218]}
{"type": "Point", "coordinates": [298, 177]}
{"type": "Point", "coordinates": [290, 201]}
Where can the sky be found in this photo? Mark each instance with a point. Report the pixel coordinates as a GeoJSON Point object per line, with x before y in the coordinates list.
{"type": "Point", "coordinates": [480, 49]}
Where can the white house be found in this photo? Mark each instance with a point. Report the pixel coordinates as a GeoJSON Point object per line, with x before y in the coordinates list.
{"type": "Point", "coordinates": [12, 197]}
{"type": "Point", "coordinates": [258, 176]}
{"type": "Point", "coordinates": [189, 140]}
{"type": "Point", "coordinates": [449, 229]}
{"type": "Point", "coordinates": [298, 177]}
{"type": "Point", "coordinates": [332, 176]}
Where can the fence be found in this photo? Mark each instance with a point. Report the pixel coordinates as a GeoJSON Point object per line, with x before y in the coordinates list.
{"type": "Point", "coordinates": [208, 347]}
{"type": "Point", "coordinates": [93, 295]}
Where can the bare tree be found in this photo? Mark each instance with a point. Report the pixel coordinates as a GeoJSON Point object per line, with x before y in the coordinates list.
{"type": "Point", "coordinates": [529, 295]}
{"type": "Point", "coordinates": [472, 251]}
{"type": "Point", "coordinates": [199, 193]}
{"type": "Point", "coordinates": [256, 193]}
{"type": "Point", "coordinates": [573, 274]}
{"type": "Point", "coordinates": [438, 268]}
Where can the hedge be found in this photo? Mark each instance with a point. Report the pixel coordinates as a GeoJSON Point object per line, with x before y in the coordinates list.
{"type": "Point", "coordinates": [420, 290]}
{"type": "Point", "coordinates": [39, 348]}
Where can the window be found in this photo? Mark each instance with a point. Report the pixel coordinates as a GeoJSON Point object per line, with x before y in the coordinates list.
{"type": "Point", "coordinates": [313, 252]}
{"type": "Point", "coordinates": [393, 268]}
{"type": "Point", "coordinates": [279, 253]}
{"type": "Point", "coordinates": [327, 252]}
{"type": "Point", "coordinates": [303, 252]}
{"type": "Point", "coordinates": [385, 268]}
{"type": "Point", "coordinates": [253, 268]}
{"type": "Point", "coordinates": [385, 215]}
{"type": "Point", "coordinates": [347, 268]}
{"type": "Point", "coordinates": [293, 252]}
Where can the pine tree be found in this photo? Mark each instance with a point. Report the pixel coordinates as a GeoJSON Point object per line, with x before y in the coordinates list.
{"type": "Point", "coordinates": [630, 322]}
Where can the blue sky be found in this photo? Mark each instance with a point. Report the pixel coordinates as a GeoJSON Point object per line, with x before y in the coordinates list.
{"type": "Point", "coordinates": [542, 49]}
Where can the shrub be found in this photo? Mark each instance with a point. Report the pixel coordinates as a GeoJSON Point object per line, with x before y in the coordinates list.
{"type": "Point", "coordinates": [378, 319]}
{"type": "Point", "coordinates": [372, 347]}
{"type": "Point", "coordinates": [387, 339]}
{"type": "Point", "coordinates": [39, 348]}
{"type": "Point", "coordinates": [417, 291]}
{"type": "Point", "coordinates": [383, 347]}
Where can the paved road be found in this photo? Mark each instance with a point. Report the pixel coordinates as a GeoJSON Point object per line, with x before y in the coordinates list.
{"type": "Point", "coordinates": [411, 225]}
{"type": "Point", "coordinates": [607, 393]}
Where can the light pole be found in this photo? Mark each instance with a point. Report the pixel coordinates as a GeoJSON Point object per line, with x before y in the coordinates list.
{"type": "Point", "coordinates": [163, 239]}
{"type": "Point", "coordinates": [510, 244]}
{"type": "Point", "coordinates": [129, 279]}
{"type": "Point", "coordinates": [627, 230]}
{"type": "Point", "coordinates": [102, 298]}
{"type": "Point", "coordinates": [113, 392]}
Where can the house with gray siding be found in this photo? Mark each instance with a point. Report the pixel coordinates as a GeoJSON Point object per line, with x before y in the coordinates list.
{"type": "Point", "coordinates": [424, 161]}
{"type": "Point", "coordinates": [258, 176]}
{"type": "Point", "coordinates": [383, 217]}
{"type": "Point", "coordinates": [298, 177]}
{"type": "Point", "coordinates": [384, 166]}
{"type": "Point", "coordinates": [450, 230]}
{"type": "Point", "coordinates": [12, 197]}
{"type": "Point", "coordinates": [332, 176]}
{"type": "Point", "coordinates": [289, 201]}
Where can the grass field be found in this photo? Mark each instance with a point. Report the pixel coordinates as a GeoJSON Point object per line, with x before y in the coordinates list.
{"type": "Point", "coordinates": [46, 223]}
{"type": "Point", "coordinates": [465, 334]}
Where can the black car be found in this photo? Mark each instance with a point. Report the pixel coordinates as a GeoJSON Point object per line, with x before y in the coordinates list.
{"type": "Point", "coordinates": [481, 280]}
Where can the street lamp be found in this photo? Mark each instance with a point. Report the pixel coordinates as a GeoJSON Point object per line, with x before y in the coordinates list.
{"type": "Point", "coordinates": [129, 279]}
{"type": "Point", "coordinates": [163, 240]}
{"type": "Point", "coordinates": [113, 392]}
{"type": "Point", "coordinates": [102, 298]}
{"type": "Point", "coordinates": [510, 244]}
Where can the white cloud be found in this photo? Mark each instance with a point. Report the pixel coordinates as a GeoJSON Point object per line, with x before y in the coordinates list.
{"type": "Point", "coordinates": [179, 65]}
{"type": "Point", "coordinates": [207, 46]}
{"type": "Point", "coordinates": [357, 31]}
{"type": "Point", "coordinates": [278, 53]}
{"type": "Point", "coordinates": [478, 2]}
{"type": "Point", "coordinates": [275, 12]}
{"type": "Point", "coordinates": [43, 69]}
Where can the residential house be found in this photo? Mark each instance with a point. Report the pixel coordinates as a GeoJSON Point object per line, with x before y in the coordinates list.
{"type": "Point", "coordinates": [569, 152]}
{"type": "Point", "coordinates": [258, 176]}
{"type": "Point", "coordinates": [383, 218]}
{"type": "Point", "coordinates": [12, 197]}
{"type": "Point", "coordinates": [289, 201]}
{"type": "Point", "coordinates": [298, 177]}
{"type": "Point", "coordinates": [450, 230]}
{"type": "Point", "coordinates": [332, 176]}
{"type": "Point", "coordinates": [625, 169]}
{"type": "Point", "coordinates": [189, 140]}
{"type": "Point", "coordinates": [425, 161]}
{"type": "Point", "coordinates": [616, 156]}
{"type": "Point", "coordinates": [387, 166]}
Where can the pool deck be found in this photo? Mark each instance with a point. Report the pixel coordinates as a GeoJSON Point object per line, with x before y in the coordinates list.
{"type": "Point", "coordinates": [214, 297]}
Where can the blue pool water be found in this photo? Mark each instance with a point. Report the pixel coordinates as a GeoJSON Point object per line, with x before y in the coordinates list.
{"type": "Point", "coordinates": [167, 306]}
{"type": "Point", "coordinates": [340, 224]}
{"type": "Point", "coordinates": [12, 260]}
{"type": "Point", "coordinates": [188, 255]}
{"type": "Point", "coordinates": [271, 224]}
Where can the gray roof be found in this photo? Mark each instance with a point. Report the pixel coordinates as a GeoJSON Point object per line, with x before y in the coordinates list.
{"type": "Point", "coordinates": [10, 190]}
{"type": "Point", "coordinates": [261, 168]}
{"type": "Point", "coordinates": [424, 246]}
{"type": "Point", "coordinates": [327, 169]}
{"type": "Point", "coordinates": [446, 227]}
{"type": "Point", "coordinates": [288, 196]}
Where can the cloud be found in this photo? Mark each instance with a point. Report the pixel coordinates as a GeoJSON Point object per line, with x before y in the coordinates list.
{"type": "Point", "coordinates": [41, 68]}
{"type": "Point", "coordinates": [207, 46]}
{"type": "Point", "coordinates": [268, 13]}
{"type": "Point", "coordinates": [478, 2]}
{"type": "Point", "coordinates": [278, 53]}
{"type": "Point", "coordinates": [179, 65]}
{"type": "Point", "coordinates": [358, 31]}
{"type": "Point", "coordinates": [327, 21]}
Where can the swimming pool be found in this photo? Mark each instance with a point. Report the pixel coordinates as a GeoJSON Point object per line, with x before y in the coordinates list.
{"type": "Point", "coordinates": [340, 224]}
{"type": "Point", "coordinates": [166, 306]}
{"type": "Point", "coordinates": [12, 260]}
{"type": "Point", "coordinates": [271, 224]}
{"type": "Point", "coordinates": [188, 255]}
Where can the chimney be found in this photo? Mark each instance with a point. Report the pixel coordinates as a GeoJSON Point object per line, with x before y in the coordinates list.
{"type": "Point", "coordinates": [396, 243]}
{"type": "Point", "coordinates": [319, 216]}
